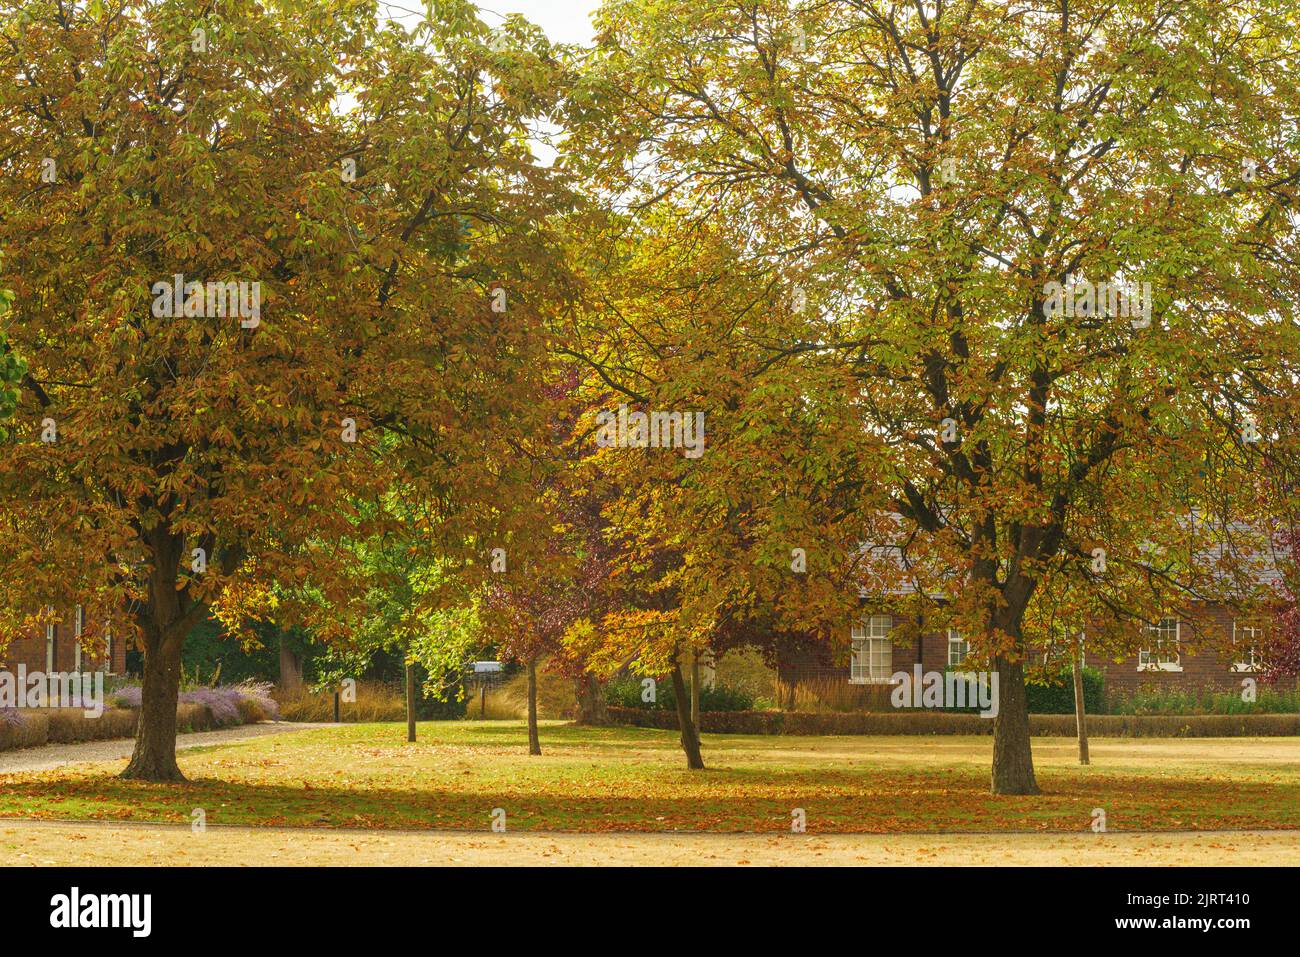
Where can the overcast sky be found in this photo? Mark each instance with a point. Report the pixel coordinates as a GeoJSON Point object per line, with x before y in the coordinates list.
{"type": "Point", "coordinates": [565, 21]}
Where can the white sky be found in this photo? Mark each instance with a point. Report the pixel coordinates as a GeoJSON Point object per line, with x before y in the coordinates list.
{"type": "Point", "coordinates": [565, 21]}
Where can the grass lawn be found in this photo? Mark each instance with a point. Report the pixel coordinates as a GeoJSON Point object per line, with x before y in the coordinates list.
{"type": "Point", "coordinates": [600, 779]}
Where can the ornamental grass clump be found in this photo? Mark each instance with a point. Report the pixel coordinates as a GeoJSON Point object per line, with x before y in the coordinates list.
{"type": "Point", "coordinates": [228, 704]}
{"type": "Point", "coordinates": [258, 694]}
{"type": "Point", "coordinates": [222, 702]}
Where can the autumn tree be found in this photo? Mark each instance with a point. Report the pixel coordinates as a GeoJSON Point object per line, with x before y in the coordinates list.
{"type": "Point", "coordinates": [1034, 265]}
{"type": "Point", "coordinates": [267, 257]}
{"type": "Point", "coordinates": [1279, 651]}
{"type": "Point", "coordinates": [416, 606]}
{"type": "Point", "coordinates": [556, 577]}
{"type": "Point", "coordinates": [12, 368]}
{"type": "Point", "coordinates": [667, 326]}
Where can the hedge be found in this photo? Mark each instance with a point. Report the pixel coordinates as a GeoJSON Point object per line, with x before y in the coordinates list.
{"type": "Point", "coordinates": [1057, 695]}
{"type": "Point", "coordinates": [626, 693]}
{"type": "Point", "coordinates": [938, 722]}
{"type": "Point", "coordinates": [40, 726]}
{"type": "Point", "coordinates": [70, 725]}
{"type": "Point", "coordinates": [32, 730]}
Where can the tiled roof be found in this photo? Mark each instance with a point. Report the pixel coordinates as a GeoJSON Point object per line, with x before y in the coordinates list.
{"type": "Point", "coordinates": [1240, 548]}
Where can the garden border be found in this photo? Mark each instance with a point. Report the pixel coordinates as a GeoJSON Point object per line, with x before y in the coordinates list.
{"type": "Point", "coordinates": [930, 722]}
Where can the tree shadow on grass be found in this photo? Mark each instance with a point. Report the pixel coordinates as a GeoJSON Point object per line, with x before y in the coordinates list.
{"type": "Point", "coordinates": [497, 738]}
{"type": "Point", "coordinates": [739, 799]}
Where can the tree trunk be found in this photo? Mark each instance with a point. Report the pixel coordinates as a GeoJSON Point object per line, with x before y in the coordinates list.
{"type": "Point", "coordinates": [695, 688]}
{"type": "Point", "coordinates": [690, 732]}
{"type": "Point", "coordinates": [164, 623]}
{"type": "Point", "coordinates": [1080, 718]}
{"type": "Point", "coordinates": [290, 665]}
{"type": "Point", "coordinates": [1013, 758]}
{"type": "Point", "coordinates": [592, 709]}
{"type": "Point", "coordinates": [154, 757]}
{"type": "Point", "coordinates": [410, 701]}
{"type": "Point", "coordinates": [534, 741]}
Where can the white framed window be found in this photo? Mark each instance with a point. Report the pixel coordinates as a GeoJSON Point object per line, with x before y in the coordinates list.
{"type": "Point", "coordinates": [77, 624]}
{"type": "Point", "coordinates": [958, 648]}
{"type": "Point", "coordinates": [872, 661]}
{"type": "Point", "coordinates": [1163, 649]}
{"type": "Point", "coordinates": [1247, 637]}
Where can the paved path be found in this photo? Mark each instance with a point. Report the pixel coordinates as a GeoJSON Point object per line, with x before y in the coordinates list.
{"type": "Point", "coordinates": [119, 749]}
{"type": "Point", "coordinates": [89, 843]}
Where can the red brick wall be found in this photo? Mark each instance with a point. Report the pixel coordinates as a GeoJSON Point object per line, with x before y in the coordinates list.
{"type": "Point", "coordinates": [931, 650]}
{"type": "Point", "coordinates": [31, 650]}
{"type": "Point", "coordinates": [1201, 667]}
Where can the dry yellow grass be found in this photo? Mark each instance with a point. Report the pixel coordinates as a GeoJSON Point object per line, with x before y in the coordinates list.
{"type": "Point", "coordinates": [824, 695]}
{"type": "Point", "coordinates": [375, 702]}
{"type": "Point", "coordinates": [58, 844]}
{"type": "Point", "coordinates": [509, 700]}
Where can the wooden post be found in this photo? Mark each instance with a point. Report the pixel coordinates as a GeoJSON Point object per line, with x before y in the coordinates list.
{"type": "Point", "coordinates": [410, 701]}
{"type": "Point", "coordinates": [1080, 719]}
{"type": "Point", "coordinates": [695, 688]}
{"type": "Point", "coordinates": [534, 740]}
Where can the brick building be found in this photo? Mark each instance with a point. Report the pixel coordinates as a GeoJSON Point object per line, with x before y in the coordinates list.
{"type": "Point", "coordinates": [1173, 656]}
{"type": "Point", "coordinates": [59, 648]}
{"type": "Point", "coordinates": [1201, 646]}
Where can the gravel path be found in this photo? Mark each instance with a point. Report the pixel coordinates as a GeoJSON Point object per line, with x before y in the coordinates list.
{"type": "Point", "coordinates": [119, 749]}
{"type": "Point", "coordinates": [66, 843]}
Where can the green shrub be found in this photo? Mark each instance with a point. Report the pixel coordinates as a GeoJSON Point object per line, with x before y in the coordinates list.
{"type": "Point", "coordinates": [432, 709]}
{"type": "Point", "coordinates": [1055, 695]}
{"type": "Point", "coordinates": [719, 697]}
{"type": "Point", "coordinates": [626, 693]}
{"type": "Point", "coordinates": [1153, 700]}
